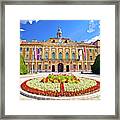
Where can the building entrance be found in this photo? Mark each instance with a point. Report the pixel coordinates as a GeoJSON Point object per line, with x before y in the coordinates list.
{"type": "Point", "coordinates": [67, 68]}
{"type": "Point", "coordinates": [53, 68]}
{"type": "Point", "coordinates": [60, 67]}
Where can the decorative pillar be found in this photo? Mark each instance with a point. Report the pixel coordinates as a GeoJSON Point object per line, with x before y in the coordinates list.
{"type": "Point", "coordinates": [30, 54]}
{"type": "Point", "coordinates": [87, 59]}
{"type": "Point", "coordinates": [43, 66]}
{"type": "Point", "coordinates": [43, 53]}
{"type": "Point", "coordinates": [76, 53]}
{"type": "Point", "coordinates": [49, 53]}
{"type": "Point", "coordinates": [64, 67]}
{"type": "Point", "coordinates": [82, 60]}
{"type": "Point", "coordinates": [94, 54]}
{"type": "Point", "coordinates": [70, 53]}
{"type": "Point", "coordinates": [56, 52]}
{"type": "Point", "coordinates": [63, 53]}
{"type": "Point", "coordinates": [56, 67]}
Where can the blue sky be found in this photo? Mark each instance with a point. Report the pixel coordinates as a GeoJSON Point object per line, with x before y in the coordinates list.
{"type": "Point", "coordinates": [76, 30]}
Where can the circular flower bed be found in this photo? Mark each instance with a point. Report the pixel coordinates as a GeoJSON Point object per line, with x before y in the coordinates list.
{"type": "Point", "coordinates": [61, 85]}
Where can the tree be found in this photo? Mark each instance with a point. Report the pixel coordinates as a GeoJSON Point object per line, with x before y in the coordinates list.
{"type": "Point", "coordinates": [96, 66]}
{"type": "Point", "coordinates": [23, 67]}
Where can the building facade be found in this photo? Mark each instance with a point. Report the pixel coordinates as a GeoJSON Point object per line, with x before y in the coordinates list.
{"type": "Point", "coordinates": [59, 54]}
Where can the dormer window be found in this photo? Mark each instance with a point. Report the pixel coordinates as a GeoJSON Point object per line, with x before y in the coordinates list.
{"type": "Point", "coordinates": [65, 41]}
{"type": "Point", "coordinates": [53, 41]}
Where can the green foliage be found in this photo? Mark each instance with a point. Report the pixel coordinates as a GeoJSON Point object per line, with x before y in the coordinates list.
{"type": "Point", "coordinates": [23, 67]}
{"type": "Point", "coordinates": [96, 66]}
{"type": "Point", "coordinates": [62, 78]}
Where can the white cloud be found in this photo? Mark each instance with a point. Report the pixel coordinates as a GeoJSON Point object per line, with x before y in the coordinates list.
{"type": "Point", "coordinates": [93, 39]}
{"type": "Point", "coordinates": [24, 21]}
{"type": "Point", "coordinates": [22, 30]}
{"type": "Point", "coordinates": [30, 21]}
{"type": "Point", "coordinates": [90, 30]}
{"type": "Point", "coordinates": [91, 27]}
{"type": "Point", "coordinates": [36, 21]}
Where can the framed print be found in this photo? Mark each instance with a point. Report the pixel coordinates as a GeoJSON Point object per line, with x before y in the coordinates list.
{"type": "Point", "coordinates": [60, 60]}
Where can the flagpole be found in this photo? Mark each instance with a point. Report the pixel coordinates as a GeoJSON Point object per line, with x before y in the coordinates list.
{"type": "Point", "coordinates": [83, 58]}
{"type": "Point", "coordinates": [36, 58]}
{"type": "Point", "coordinates": [32, 62]}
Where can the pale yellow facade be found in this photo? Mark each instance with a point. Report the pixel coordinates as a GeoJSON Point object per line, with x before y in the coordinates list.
{"type": "Point", "coordinates": [59, 55]}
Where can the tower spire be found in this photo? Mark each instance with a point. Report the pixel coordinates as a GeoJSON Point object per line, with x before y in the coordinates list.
{"type": "Point", "coordinates": [59, 33]}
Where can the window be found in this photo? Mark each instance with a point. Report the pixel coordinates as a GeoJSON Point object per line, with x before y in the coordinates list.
{"type": "Point", "coordinates": [46, 55]}
{"type": "Point", "coordinates": [90, 50]}
{"type": "Point", "coordinates": [67, 55]}
{"type": "Point", "coordinates": [65, 41]}
{"type": "Point", "coordinates": [74, 66]}
{"type": "Point", "coordinates": [53, 41]}
{"type": "Point", "coordinates": [20, 49]}
{"type": "Point", "coordinates": [33, 67]}
{"type": "Point", "coordinates": [60, 56]}
{"type": "Point", "coordinates": [80, 54]}
{"type": "Point", "coordinates": [27, 49]}
{"type": "Point", "coordinates": [37, 57]}
{"type": "Point", "coordinates": [90, 57]}
{"type": "Point", "coordinates": [27, 56]}
{"type": "Point", "coordinates": [40, 57]}
{"type": "Point", "coordinates": [80, 67]}
{"type": "Point", "coordinates": [46, 66]}
{"type": "Point", "coordinates": [96, 50]}
{"type": "Point", "coordinates": [33, 57]}
{"type": "Point", "coordinates": [38, 50]}
{"type": "Point", "coordinates": [39, 67]}
{"type": "Point", "coordinates": [53, 56]}
{"type": "Point", "coordinates": [73, 56]}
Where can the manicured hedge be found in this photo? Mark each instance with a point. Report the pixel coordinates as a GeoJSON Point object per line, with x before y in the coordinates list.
{"type": "Point", "coordinates": [96, 66]}
{"type": "Point", "coordinates": [23, 67]}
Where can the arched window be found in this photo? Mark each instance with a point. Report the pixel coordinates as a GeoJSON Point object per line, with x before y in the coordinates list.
{"type": "Point", "coordinates": [27, 49]}
{"type": "Point", "coordinates": [20, 49]}
{"type": "Point", "coordinates": [73, 56]}
{"type": "Point", "coordinates": [60, 56]}
{"type": "Point", "coordinates": [53, 56]}
{"type": "Point", "coordinates": [40, 57]}
{"type": "Point", "coordinates": [67, 55]}
{"type": "Point", "coordinates": [46, 55]}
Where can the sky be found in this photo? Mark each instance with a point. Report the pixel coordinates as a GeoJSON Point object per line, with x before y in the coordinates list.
{"type": "Point", "coordinates": [76, 30]}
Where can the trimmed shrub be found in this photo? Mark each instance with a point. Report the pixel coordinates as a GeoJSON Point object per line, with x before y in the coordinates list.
{"type": "Point", "coordinates": [96, 66]}
{"type": "Point", "coordinates": [23, 67]}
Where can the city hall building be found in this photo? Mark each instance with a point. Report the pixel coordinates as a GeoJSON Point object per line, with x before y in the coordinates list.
{"type": "Point", "coordinates": [59, 54]}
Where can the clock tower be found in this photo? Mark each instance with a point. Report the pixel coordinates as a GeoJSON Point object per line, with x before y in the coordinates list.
{"type": "Point", "coordinates": [59, 33]}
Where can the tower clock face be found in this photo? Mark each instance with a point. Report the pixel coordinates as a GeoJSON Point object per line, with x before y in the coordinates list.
{"type": "Point", "coordinates": [60, 41]}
